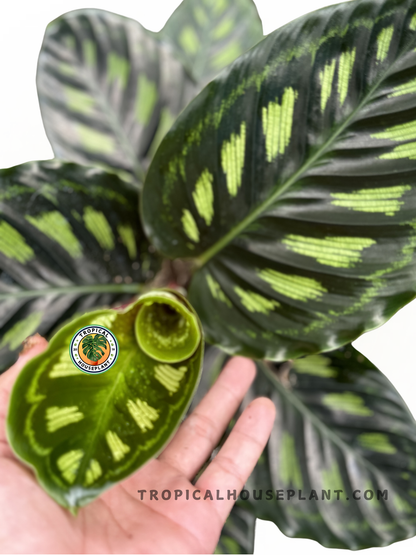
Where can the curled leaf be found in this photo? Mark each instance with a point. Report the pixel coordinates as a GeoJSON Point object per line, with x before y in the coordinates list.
{"type": "Point", "coordinates": [83, 431]}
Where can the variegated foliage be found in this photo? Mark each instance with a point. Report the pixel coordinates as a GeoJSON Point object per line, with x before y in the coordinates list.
{"type": "Point", "coordinates": [210, 34]}
{"type": "Point", "coordinates": [340, 425]}
{"type": "Point", "coordinates": [70, 240]}
{"type": "Point", "coordinates": [291, 183]}
{"type": "Point", "coordinates": [237, 536]}
{"type": "Point", "coordinates": [108, 91]}
{"type": "Point", "coordinates": [82, 433]}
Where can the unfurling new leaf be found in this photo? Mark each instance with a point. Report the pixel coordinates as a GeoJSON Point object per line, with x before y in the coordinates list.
{"type": "Point", "coordinates": [96, 429]}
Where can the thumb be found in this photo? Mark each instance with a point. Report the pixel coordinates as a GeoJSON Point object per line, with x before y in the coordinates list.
{"type": "Point", "coordinates": [32, 346]}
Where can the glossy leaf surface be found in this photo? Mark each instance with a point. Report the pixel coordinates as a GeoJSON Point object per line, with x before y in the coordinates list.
{"type": "Point", "coordinates": [108, 91]}
{"type": "Point", "coordinates": [84, 432]}
{"type": "Point", "coordinates": [70, 240]}
{"type": "Point", "coordinates": [340, 425]}
{"type": "Point", "coordinates": [209, 35]}
{"type": "Point", "coordinates": [290, 181]}
{"type": "Point", "coordinates": [237, 536]}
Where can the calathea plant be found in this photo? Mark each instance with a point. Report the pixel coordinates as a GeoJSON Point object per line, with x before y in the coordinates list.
{"type": "Point", "coordinates": [282, 199]}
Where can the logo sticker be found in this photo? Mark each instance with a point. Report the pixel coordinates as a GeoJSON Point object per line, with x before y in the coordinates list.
{"type": "Point", "coordinates": [94, 349]}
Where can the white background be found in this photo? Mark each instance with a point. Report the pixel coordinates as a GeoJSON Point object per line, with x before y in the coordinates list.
{"type": "Point", "coordinates": [22, 138]}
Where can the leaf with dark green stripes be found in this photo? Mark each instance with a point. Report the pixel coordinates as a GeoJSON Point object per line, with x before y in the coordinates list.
{"type": "Point", "coordinates": [84, 432]}
{"type": "Point", "coordinates": [210, 34]}
{"type": "Point", "coordinates": [70, 240]}
{"type": "Point", "coordinates": [340, 425]}
{"type": "Point", "coordinates": [108, 91]}
{"type": "Point", "coordinates": [290, 181]}
{"type": "Point", "coordinates": [237, 536]}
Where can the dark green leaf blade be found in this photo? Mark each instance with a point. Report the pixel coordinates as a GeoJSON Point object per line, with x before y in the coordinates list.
{"type": "Point", "coordinates": [81, 432]}
{"type": "Point", "coordinates": [211, 35]}
{"type": "Point", "coordinates": [290, 180]}
{"type": "Point", "coordinates": [340, 425]}
{"type": "Point", "coordinates": [108, 91]}
{"type": "Point", "coordinates": [237, 536]}
{"type": "Point", "coordinates": [70, 240]}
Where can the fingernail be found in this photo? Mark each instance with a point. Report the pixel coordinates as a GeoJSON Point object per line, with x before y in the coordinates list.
{"type": "Point", "coordinates": [30, 342]}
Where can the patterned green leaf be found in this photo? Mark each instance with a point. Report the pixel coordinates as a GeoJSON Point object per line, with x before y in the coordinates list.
{"type": "Point", "coordinates": [340, 425]}
{"type": "Point", "coordinates": [290, 181]}
{"type": "Point", "coordinates": [70, 240]}
{"type": "Point", "coordinates": [210, 34]}
{"type": "Point", "coordinates": [237, 536]}
{"type": "Point", "coordinates": [84, 432]}
{"type": "Point", "coordinates": [108, 91]}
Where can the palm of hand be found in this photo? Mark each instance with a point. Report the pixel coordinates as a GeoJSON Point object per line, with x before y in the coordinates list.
{"type": "Point", "coordinates": [119, 521]}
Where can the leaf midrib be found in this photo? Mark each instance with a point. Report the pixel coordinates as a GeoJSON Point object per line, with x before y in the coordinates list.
{"type": "Point", "coordinates": [321, 426]}
{"type": "Point", "coordinates": [228, 237]}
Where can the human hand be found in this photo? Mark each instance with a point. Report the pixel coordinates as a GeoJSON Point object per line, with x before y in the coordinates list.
{"type": "Point", "coordinates": [119, 521]}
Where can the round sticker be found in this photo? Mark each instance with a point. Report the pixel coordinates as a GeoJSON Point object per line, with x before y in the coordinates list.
{"type": "Point", "coordinates": [94, 349]}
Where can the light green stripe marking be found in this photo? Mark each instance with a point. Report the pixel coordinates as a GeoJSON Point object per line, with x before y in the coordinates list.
{"type": "Point", "coordinates": [200, 16]}
{"type": "Point", "coordinates": [296, 287]}
{"type": "Point", "coordinates": [170, 377]}
{"type": "Point", "coordinates": [383, 199]}
{"type": "Point", "coordinates": [127, 236]}
{"type": "Point", "coordinates": [118, 68]}
{"type": "Point", "coordinates": [189, 40]}
{"type": "Point", "coordinates": [117, 447]}
{"type": "Point", "coordinates": [217, 6]}
{"type": "Point", "coordinates": [332, 480]}
{"type": "Point", "coordinates": [339, 252]}
{"type": "Point", "coordinates": [21, 330]}
{"type": "Point", "coordinates": [407, 88]}
{"type": "Point", "coordinates": [412, 25]}
{"type": "Point", "coordinates": [290, 472]}
{"type": "Point", "coordinates": [255, 302]}
{"type": "Point", "coordinates": [97, 224]}
{"type": "Point", "coordinates": [347, 402]}
{"type": "Point", "coordinates": [94, 471]}
{"type": "Point", "coordinates": [345, 67]}
{"type": "Point", "coordinates": [402, 132]}
{"type": "Point", "coordinates": [95, 141]}
{"type": "Point", "coordinates": [66, 69]}
{"type": "Point", "coordinates": [383, 43]}
{"type": "Point", "coordinates": [315, 365]}
{"type": "Point", "coordinates": [232, 159]}
{"type": "Point", "coordinates": [216, 291]}
{"type": "Point", "coordinates": [13, 244]}
{"type": "Point", "coordinates": [401, 504]}
{"type": "Point", "coordinates": [58, 417]}
{"type": "Point", "coordinates": [79, 101]}
{"type": "Point", "coordinates": [166, 120]}
{"type": "Point", "coordinates": [326, 77]}
{"type": "Point", "coordinates": [189, 226]}
{"type": "Point", "coordinates": [69, 463]}
{"type": "Point", "coordinates": [55, 226]}
{"type": "Point", "coordinates": [277, 124]}
{"type": "Point", "coordinates": [90, 53]}
{"type": "Point", "coordinates": [143, 414]}
{"type": "Point", "coordinates": [403, 151]}
{"type": "Point", "coordinates": [146, 99]}
{"type": "Point", "coordinates": [204, 197]}
{"type": "Point", "coordinates": [63, 369]}
{"type": "Point", "coordinates": [224, 28]}
{"type": "Point", "coordinates": [377, 442]}
{"type": "Point", "coordinates": [226, 55]}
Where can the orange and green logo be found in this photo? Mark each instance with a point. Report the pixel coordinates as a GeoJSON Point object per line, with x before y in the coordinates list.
{"type": "Point", "coordinates": [94, 349]}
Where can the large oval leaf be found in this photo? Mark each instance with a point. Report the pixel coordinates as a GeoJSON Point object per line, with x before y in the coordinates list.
{"type": "Point", "coordinates": [84, 432]}
{"type": "Point", "coordinates": [210, 35]}
{"type": "Point", "coordinates": [70, 240]}
{"type": "Point", "coordinates": [340, 425]}
{"type": "Point", "coordinates": [290, 180]}
{"type": "Point", "coordinates": [108, 91]}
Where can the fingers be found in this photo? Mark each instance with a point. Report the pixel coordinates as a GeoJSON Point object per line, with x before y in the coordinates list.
{"type": "Point", "coordinates": [238, 456]}
{"type": "Point", "coordinates": [33, 346]}
{"type": "Point", "coordinates": [200, 433]}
